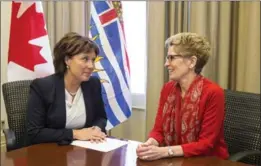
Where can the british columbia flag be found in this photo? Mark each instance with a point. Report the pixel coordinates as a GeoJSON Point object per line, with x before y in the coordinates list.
{"type": "Point", "coordinates": [112, 65]}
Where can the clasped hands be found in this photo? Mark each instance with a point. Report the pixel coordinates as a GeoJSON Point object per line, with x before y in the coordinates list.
{"type": "Point", "coordinates": [93, 134]}
{"type": "Point", "coordinates": [151, 151]}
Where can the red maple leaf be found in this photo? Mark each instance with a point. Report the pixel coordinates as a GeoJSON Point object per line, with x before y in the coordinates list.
{"type": "Point", "coordinates": [23, 29]}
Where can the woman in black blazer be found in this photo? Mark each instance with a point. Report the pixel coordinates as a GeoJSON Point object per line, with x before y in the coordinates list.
{"type": "Point", "coordinates": [68, 104]}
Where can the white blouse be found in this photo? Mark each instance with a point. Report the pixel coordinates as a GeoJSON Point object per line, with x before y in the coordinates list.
{"type": "Point", "coordinates": [75, 110]}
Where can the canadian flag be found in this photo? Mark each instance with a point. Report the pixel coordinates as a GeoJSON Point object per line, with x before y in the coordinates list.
{"type": "Point", "coordinates": [29, 54]}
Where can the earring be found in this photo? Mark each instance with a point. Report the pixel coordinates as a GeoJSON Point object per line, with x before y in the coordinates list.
{"type": "Point", "coordinates": [67, 66]}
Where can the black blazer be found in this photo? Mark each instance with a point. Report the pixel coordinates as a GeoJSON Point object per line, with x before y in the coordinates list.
{"type": "Point", "coordinates": [46, 113]}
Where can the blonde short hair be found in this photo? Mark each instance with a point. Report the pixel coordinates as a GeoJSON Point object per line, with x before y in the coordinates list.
{"type": "Point", "coordinates": [191, 44]}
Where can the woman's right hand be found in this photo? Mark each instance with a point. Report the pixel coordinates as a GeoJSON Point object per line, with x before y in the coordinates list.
{"type": "Point", "coordinates": [92, 134]}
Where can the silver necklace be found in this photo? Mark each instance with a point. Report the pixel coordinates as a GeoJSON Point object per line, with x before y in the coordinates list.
{"type": "Point", "coordinates": [72, 94]}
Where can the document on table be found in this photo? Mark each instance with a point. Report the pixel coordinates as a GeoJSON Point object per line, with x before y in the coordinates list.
{"type": "Point", "coordinates": [108, 145]}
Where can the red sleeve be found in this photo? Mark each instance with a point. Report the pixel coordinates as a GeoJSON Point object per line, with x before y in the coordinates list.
{"type": "Point", "coordinates": [157, 132]}
{"type": "Point", "coordinates": [211, 125]}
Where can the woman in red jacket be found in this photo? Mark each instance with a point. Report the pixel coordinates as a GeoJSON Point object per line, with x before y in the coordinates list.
{"type": "Point", "coordinates": [191, 111]}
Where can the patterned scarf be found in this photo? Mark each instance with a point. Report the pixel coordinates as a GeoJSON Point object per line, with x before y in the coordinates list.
{"type": "Point", "coordinates": [180, 117]}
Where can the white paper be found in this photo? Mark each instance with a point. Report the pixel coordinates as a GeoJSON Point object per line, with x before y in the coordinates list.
{"type": "Point", "coordinates": [131, 156]}
{"type": "Point", "coordinates": [133, 143]}
{"type": "Point", "coordinates": [108, 145]}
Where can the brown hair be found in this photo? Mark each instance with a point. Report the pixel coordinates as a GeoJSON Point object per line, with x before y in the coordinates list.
{"type": "Point", "coordinates": [191, 44]}
{"type": "Point", "coordinates": [70, 45]}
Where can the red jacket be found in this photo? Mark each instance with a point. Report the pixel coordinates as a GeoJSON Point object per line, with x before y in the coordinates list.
{"type": "Point", "coordinates": [211, 115]}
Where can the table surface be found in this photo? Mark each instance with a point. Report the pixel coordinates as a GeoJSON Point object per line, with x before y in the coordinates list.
{"type": "Point", "coordinates": [54, 155]}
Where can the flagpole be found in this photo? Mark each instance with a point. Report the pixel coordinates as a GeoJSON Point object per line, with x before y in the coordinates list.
{"type": "Point", "coordinates": [109, 132]}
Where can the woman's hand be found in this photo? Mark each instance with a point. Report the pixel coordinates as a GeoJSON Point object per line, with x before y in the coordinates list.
{"type": "Point", "coordinates": [142, 147]}
{"type": "Point", "coordinates": [93, 134]}
{"type": "Point", "coordinates": [151, 152]}
{"type": "Point", "coordinates": [97, 132]}
{"type": "Point", "coordinates": [150, 141]}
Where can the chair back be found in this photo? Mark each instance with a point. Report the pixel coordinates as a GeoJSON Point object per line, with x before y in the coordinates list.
{"type": "Point", "coordinates": [242, 123]}
{"type": "Point", "coordinates": [15, 96]}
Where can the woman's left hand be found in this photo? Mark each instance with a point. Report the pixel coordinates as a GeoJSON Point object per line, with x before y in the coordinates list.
{"type": "Point", "coordinates": [152, 152]}
{"type": "Point", "coordinates": [96, 139]}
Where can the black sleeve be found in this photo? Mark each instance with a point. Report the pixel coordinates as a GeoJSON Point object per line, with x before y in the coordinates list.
{"type": "Point", "coordinates": [36, 120]}
{"type": "Point", "coordinates": [101, 117]}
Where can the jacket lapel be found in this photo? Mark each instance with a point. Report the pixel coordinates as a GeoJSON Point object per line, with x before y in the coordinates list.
{"type": "Point", "coordinates": [88, 102]}
{"type": "Point", "coordinates": [60, 101]}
